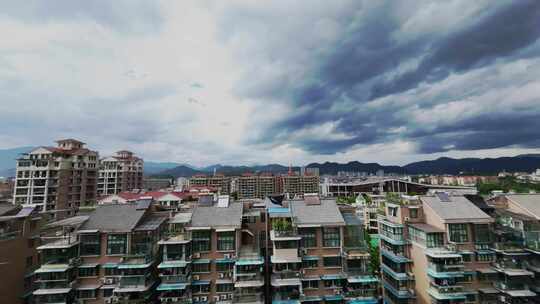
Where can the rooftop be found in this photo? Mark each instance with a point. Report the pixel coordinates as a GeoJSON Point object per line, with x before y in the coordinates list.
{"type": "Point", "coordinates": [325, 214]}
{"type": "Point", "coordinates": [114, 218]}
{"type": "Point", "coordinates": [455, 209]}
{"type": "Point", "coordinates": [529, 202]}
{"type": "Point", "coordinates": [215, 217]}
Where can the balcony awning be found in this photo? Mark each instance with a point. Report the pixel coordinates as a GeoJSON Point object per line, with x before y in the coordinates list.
{"type": "Point", "coordinates": [134, 266]}
{"type": "Point", "coordinates": [224, 261]}
{"type": "Point", "coordinates": [53, 268]}
{"type": "Point", "coordinates": [520, 293]}
{"type": "Point", "coordinates": [310, 258]}
{"type": "Point", "coordinates": [362, 279]}
{"type": "Point", "coordinates": [244, 262]}
{"type": "Point", "coordinates": [110, 265]}
{"type": "Point", "coordinates": [50, 291]}
{"type": "Point", "coordinates": [201, 261]}
{"type": "Point", "coordinates": [168, 287]}
{"type": "Point", "coordinates": [89, 265]}
{"type": "Point", "coordinates": [196, 283]}
{"type": "Point", "coordinates": [240, 284]}
{"type": "Point", "coordinates": [313, 278]}
{"type": "Point", "coordinates": [282, 260]}
{"type": "Point", "coordinates": [311, 299]}
{"type": "Point", "coordinates": [286, 282]}
{"type": "Point", "coordinates": [224, 281]}
{"type": "Point", "coordinates": [334, 298]}
{"type": "Point", "coordinates": [173, 264]}
{"type": "Point", "coordinates": [489, 290]}
{"type": "Point", "coordinates": [487, 271]}
{"type": "Point", "coordinates": [88, 287]}
{"type": "Point", "coordinates": [286, 302]}
{"type": "Point", "coordinates": [333, 277]}
{"type": "Point", "coordinates": [364, 301]}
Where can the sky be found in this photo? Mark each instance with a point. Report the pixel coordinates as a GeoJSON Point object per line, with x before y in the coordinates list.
{"type": "Point", "coordinates": [254, 82]}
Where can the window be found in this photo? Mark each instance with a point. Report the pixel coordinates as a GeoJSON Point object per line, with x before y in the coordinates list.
{"type": "Point", "coordinates": [203, 288]}
{"type": "Point", "coordinates": [90, 244]}
{"type": "Point", "coordinates": [112, 271]}
{"type": "Point", "coordinates": [309, 237]}
{"type": "Point", "coordinates": [285, 244]}
{"type": "Point", "coordinates": [116, 244]}
{"type": "Point", "coordinates": [310, 263]}
{"type": "Point", "coordinates": [225, 287]}
{"type": "Point", "coordinates": [332, 261]}
{"type": "Point", "coordinates": [332, 283]}
{"type": "Point", "coordinates": [331, 237]}
{"type": "Point", "coordinates": [484, 257]}
{"type": "Point", "coordinates": [224, 267]}
{"type": "Point", "coordinates": [458, 233]}
{"type": "Point", "coordinates": [201, 267]}
{"type": "Point", "coordinates": [225, 241]}
{"type": "Point", "coordinates": [434, 240]}
{"type": "Point", "coordinates": [88, 271]}
{"type": "Point", "coordinates": [413, 213]}
{"type": "Point", "coordinates": [482, 234]}
{"type": "Point", "coordinates": [467, 257]}
{"type": "Point", "coordinates": [201, 240]}
{"type": "Point", "coordinates": [310, 284]}
{"type": "Point", "coordinates": [107, 292]}
{"type": "Point", "coordinates": [392, 211]}
{"type": "Point", "coordinates": [87, 294]}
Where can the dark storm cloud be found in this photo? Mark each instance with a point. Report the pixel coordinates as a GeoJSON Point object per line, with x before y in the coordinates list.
{"type": "Point", "coordinates": [348, 78]}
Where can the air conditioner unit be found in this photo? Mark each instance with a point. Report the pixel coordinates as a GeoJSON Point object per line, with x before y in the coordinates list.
{"type": "Point", "coordinates": [221, 275]}
{"type": "Point", "coordinates": [227, 256]}
{"type": "Point", "coordinates": [109, 281]}
{"type": "Point", "coordinates": [204, 299]}
{"type": "Point", "coordinates": [173, 299]}
{"type": "Point", "coordinates": [230, 296]}
{"type": "Point", "coordinates": [216, 299]}
{"type": "Point", "coordinates": [196, 277]}
{"type": "Point", "coordinates": [337, 291]}
{"type": "Point", "coordinates": [196, 255]}
{"type": "Point", "coordinates": [224, 297]}
{"type": "Point", "coordinates": [195, 299]}
{"type": "Point", "coordinates": [407, 219]}
{"type": "Point", "coordinates": [108, 301]}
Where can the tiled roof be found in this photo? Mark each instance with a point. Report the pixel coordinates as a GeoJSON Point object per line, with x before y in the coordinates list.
{"type": "Point", "coordinates": [114, 218]}
{"type": "Point", "coordinates": [529, 202]}
{"type": "Point", "coordinates": [325, 214]}
{"type": "Point", "coordinates": [216, 217]}
{"type": "Point", "coordinates": [458, 209]}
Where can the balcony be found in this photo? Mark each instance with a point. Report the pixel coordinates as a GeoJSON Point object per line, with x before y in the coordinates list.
{"type": "Point", "coordinates": [454, 292]}
{"type": "Point", "coordinates": [256, 297]}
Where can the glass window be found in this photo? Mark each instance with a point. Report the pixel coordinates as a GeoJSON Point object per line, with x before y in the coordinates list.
{"type": "Point", "coordinates": [201, 240]}
{"type": "Point", "coordinates": [205, 288]}
{"type": "Point", "coordinates": [225, 287]}
{"type": "Point", "coordinates": [310, 284]}
{"type": "Point", "coordinates": [112, 271]}
{"type": "Point", "coordinates": [482, 233]}
{"type": "Point", "coordinates": [333, 261]}
{"type": "Point", "coordinates": [90, 244]}
{"type": "Point", "coordinates": [413, 213]}
{"type": "Point", "coordinates": [434, 240]}
{"type": "Point", "coordinates": [87, 294]}
{"type": "Point", "coordinates": [332, 283]}
{"type": "Point", "coordinates": [309, 237]}
{"type": "Point", "coordinates": [116, 244]}
{"type": "Point", "coordinates": [331, 237]}
{"type": "Point", "coordinates": [201, 267]}
{"type": "Point", "coordinates": [467, 257]}
{"type": "Point", "coordinates": [310, 263]}
{"type": "Point", "coordinates": [88, 272]}
{"type": "Point", "coordinates": [108, 292]}
{"type": "Point", "coordinates": [458, 233]}
{"type": "Point", "coordinates": [286, 244]}
{"type": "Point", "coordinates": [225, 241]}
{"type": "Point", "coordinates": [224, 267]}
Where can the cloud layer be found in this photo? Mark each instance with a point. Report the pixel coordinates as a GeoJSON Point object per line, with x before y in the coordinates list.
{"type": "Point", "coordinates": [205, 82]}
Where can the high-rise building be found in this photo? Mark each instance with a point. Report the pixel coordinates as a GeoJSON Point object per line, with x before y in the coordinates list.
{"type": "Point", "coordinates": [444, 249]}
{"type": "Point", "coordinates": [18, 255]}
{"type": "Point", "coordinates": [250, 186]}
{"type": "Point", "coordinates": [119, 173]}
{"type": "Point", "coordinates": [297, 185]}
{"type": "Point", "coordinates": [217, 181]}
{"type": "Point", "coordinates": [57, 179]}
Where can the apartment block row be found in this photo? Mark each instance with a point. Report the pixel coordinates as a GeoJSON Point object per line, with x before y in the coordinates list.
{"type": "Point", "coordinates": [251, 186]}
{"type": "Point", "coordinates": [445, 248]}
{"type": "Point", "coordinates": [306, 250]}
{"type": "Point", "coordinates": [60, 179]}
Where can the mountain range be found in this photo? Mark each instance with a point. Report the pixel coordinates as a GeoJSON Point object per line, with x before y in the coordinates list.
{"type": "Point", "coordinates": [443, 165]}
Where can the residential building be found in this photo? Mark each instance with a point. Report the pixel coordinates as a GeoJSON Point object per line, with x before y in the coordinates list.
{"type": "Point", "coordinates": [107, 256]}
{"type": "Point", "coordinates": [318, 254]}
{"type": "Point", "coordinates": [218, 181]}
{"type": "Point", "coordinates": [57, 180]}
{"type": "Point", "coordinates": [295, 185]}
{"type": "Point", "coordinates": [18, 255]}
{"type": "Point", "coordinates": [251, 186]}
{"type": "Point", "coordinates": [156, 184]}
{"type": "Point", "coordinates": [118, 173]}
{"type": "Point", "coordinates": [444, 249]}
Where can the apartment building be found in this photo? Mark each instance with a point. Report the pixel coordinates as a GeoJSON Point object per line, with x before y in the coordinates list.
{"type": "Point", "coordinates": [107, 256]}
{"type": "Point", "coordinates": [57, 180]}
{"type": "Point", "coordinates": [18, 255]}
{"type": "Point", "coordinates": [444, 249]}
{"type": "Point", "coordinates": [297, 185]}
{"type": "Point", "coordinates": [251, 186]}
{"type": "Point", "coordinates": [120, 172]}
{"type": "Point", "coordinates": [317, 254]}
{"type": "Point", "coordinates": [218, 181]}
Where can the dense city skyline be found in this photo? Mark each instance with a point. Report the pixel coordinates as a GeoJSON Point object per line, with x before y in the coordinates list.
{"type": "Point", "coordinates": [240, 83]}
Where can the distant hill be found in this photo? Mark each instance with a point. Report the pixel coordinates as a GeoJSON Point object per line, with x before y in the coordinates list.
{"type": "Point", "coordinates": [443, 165]}
{"type": "Point", "coordinates": [7, 160]}
{"type": "Point", "coordinates": [151, 167]}
{"type": "Point", "coordinates": [446, 165]}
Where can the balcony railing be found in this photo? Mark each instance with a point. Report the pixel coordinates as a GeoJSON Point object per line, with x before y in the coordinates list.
{"type": "Point", "coordinates": [286, 233]}
{"type": "Point", "coordinates": [446, 289]}
{"type": "Point", "coordinates": [248, 298]}
{"type": "Point", "coordinates": [179, 278]}
{"type": "Point", "coordinates": [289, 274]}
